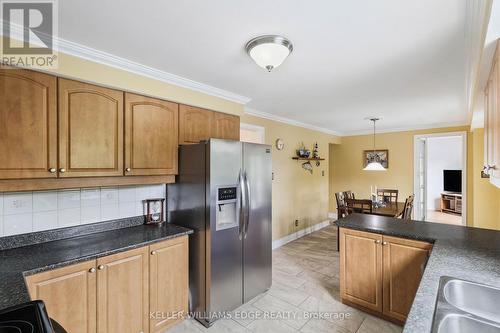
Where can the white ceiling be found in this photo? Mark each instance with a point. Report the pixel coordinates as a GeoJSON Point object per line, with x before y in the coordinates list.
{"type": "Point", "coordinates": [400, 60]}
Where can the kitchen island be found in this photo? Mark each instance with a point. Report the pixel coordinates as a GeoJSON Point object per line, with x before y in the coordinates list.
{"type": "Point", "coordinates": [461, 252]}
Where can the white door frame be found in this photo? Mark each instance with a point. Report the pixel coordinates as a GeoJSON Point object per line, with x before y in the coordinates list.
{"type": "Point", "coordinates": [416, 182]}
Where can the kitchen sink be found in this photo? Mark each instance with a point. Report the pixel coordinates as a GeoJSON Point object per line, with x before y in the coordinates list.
{"type": "Point", "coordinates": [474, 298]}
{"type": "Point", "coordinates": [456, 323]}
{"type": "Point", "coordinates": [466, 306]}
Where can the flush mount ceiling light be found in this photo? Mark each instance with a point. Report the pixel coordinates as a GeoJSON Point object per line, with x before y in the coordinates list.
{"type": "Point", "coordinates": [269, 51]}
{"type": "Point", "coordinates": [374, 164]}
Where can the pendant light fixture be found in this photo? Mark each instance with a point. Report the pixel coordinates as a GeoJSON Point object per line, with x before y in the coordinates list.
{"type": "Point", "coordinates": [269, 51]}
{"type": "Point", "coordinates": [373, 164]}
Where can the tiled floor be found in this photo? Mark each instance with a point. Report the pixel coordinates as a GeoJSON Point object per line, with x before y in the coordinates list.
{"type": "Point", "coordinates": [305, 281]}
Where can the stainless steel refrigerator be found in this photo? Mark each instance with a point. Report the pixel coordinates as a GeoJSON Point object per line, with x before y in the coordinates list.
{"type": "Point", "coordinates": [223, 193]}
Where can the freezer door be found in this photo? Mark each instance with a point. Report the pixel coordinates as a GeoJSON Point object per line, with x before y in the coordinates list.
{"type": "Point", "coordinates": [224, 264]}
{"type": "Point", "coordinates": [257, 247]}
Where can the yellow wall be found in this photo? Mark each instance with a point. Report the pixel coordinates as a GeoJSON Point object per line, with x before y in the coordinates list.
{"type": "Point", "coordinates": [296, 193]}
{"type": "Point", "coordinates": [486, 197]}
{"type": "Point", "coordinates": [346, 164]}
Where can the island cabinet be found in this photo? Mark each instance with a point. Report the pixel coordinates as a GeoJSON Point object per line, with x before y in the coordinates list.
{"type": "Point", "coordinates": [381, 274]}
{"type": "Point", "coordinates": [117, 293]}
{"type": "Point", "coordinates": [197, 124]}
{"type": "Point", "coordinates": [28, 124]}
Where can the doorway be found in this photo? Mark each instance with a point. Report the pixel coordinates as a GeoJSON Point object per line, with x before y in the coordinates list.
{"type": "Point", "coordinates": [440, 173]}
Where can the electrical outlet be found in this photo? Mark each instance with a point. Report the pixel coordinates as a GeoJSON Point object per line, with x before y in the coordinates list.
{"type": "Point", "coordinates": [323, 173]}
{"type": "Point", "coordinates": [296, 223]}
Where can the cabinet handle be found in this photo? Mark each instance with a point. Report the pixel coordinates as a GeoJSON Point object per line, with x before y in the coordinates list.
{"type": "Point", "coordinates": [377, 242]}
{"type": "Point", "coordinates": [128, 169]}
{"type": "Point", "coordinates": [384, 243]}
{"type": "Point", "coordinates": [52, 170]}
{"type": "Point", "coordinates": [92, 270]}
{"type": "Point", "coordinates": [100, 267]}
{"type": "Point", "coordinates": [153, 253]}
{"type": "Point", "coordinates": [62, 170]}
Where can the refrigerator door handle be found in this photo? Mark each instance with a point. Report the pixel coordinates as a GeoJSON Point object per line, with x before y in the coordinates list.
{"type": "Point", "coordinates": [247, 203]}
{"type": "Point", "coordinates": [241, 204]}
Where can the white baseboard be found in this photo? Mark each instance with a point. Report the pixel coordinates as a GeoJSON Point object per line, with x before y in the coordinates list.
{"type": "Point", "coordinates": [332, 215]}
{"type": "Point", "coordinates": [301, 233]}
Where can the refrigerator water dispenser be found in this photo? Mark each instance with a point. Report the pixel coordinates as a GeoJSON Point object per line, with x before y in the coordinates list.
{"type": "Point", "coordinates": [226, 208]}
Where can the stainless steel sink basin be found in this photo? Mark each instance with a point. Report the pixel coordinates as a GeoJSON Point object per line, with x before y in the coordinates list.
{"type": "Point", "coordinates": [466, 307]}
{"type": "Point", "coordinates": [477, 299]}
{"type": "Point", "coordinates": [455, 323]}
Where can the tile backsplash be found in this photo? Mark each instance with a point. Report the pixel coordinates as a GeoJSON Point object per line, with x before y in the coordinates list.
{"type": "Point", "coordinates": [22, 212]}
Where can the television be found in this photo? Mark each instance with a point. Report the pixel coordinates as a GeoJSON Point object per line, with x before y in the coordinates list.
{"type": "Point", "coordinates": [452, 181]}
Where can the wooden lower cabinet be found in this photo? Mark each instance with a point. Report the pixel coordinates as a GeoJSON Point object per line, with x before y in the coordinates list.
{"type": "Point", "coordinates": [69, 294]}
{"type": "Point", "coordinates": [123, 292]}
{"type": "Point", "coordinates": [168, 276]}
{"type": "Point", "coordinates": [360, 268]}
{"type": "Point", "coordinates": [117, 293]}
{"type": "Point", "coordinates": [403, 266]}
{"type": "Point", "coordinates": [381, 274]}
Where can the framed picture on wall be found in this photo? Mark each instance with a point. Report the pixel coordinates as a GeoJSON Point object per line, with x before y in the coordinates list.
{"type": "Point", "coordinates": [381, 156]}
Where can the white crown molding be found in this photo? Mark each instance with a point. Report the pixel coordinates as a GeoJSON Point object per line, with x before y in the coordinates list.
{"type": "Point", "coordinates": [406, 128]}
{"type": "Point", "coordinates": [289, 121]}
{"type": "Point", "coordinates": [476, 26]}
{"type": "Point", "coordinates": [104, 58]}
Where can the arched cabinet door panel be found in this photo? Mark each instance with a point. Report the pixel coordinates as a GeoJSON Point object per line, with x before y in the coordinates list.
{"type": "Point", "coordinates": [90, 130]}
{"type": "Point", "coordinates": [195, 124]}
{"type": "Point", "coordinates": [226, 126]}
{"type": "Point", "coordinates": [28, 124]}
{"type": "Point", "coordinates": [151, 136]}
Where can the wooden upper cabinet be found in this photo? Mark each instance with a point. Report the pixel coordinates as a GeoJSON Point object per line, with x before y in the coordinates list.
{"type": "Point", "coordinates": [404, 263]}
{"type": "Point", "coordinates": [90, 130]}
{"type": "Point", "coordinates": [226, 126]}
{"type": "Point", "coordinates": [151, 136]}
{"type": "Point", "coordinates": [69, 293]}
{"type": "Point", "coordinates": [361, 268]}
{"type": "Point", "coordinates": [28, 124]}
{"type": "Point", "coordinates": [169, 286]}
{"type": "Point", "coordinates": [195, 124]}
{"type": "Point", "coordinates": [123, 292]}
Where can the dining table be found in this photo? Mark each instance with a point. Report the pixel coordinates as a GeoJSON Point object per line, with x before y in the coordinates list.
{"type": "Point", "coordinates": [391, 209]}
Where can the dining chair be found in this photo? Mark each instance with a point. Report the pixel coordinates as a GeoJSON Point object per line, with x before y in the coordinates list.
{"type": "Point", "coordinates": [387, 195]}
{"type": "Point", "coordinates": [349, 195]}
{"type": "Point", "coordinates": [408, 208]}
{"type": "Point", "coordinates": [341, 204]}
{"type": "Point", "coordinates": [363, 206]}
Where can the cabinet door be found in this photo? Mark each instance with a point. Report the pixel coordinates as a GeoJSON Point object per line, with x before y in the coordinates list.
{"type": "Point", "coordinates": [28, 124]}
{"type": "Point", "coordinates": [494, 120]}
{"type": "Point", "coordinates": [123, 292]}
{"type": "Point", "coordinates": [404, 263]}
{"type": "Point", "coordinates": [69, 294]}
{"type": "Point", "coordinates": [168, 276]}
{"type": "Point", "coordinates": [226, 126]}
{"type": "Point", "coordinates": [90, 130]}
{"type": "Point", "coordinates": [361, 268]}
{"type": "Point", "coordinates": [151, 136]}
{"type": "Point", "coordinates": [195, 124]}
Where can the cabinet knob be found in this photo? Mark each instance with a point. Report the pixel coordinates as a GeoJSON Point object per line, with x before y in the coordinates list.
{"type": "Point", "coordinates": [127, 169]}
{"type": "Point", "coordinates": [62, 170]}
{"type": "Point", "coordinates": [52, 170]}
{"type": "Point", "coordinates": [384, 243]}
{"type": "Point", "coordinates": [377, 242]}
{"type": "Point", "coordinates": [92, 270]}
{"type": "Point", "coordinates": [153, 253]}
{"type": "Point", "coordinates": [100, 267]}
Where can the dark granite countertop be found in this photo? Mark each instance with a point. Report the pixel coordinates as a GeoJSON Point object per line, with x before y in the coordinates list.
{"type": "Point", "coordinates": [19, 262]}
{"type": "Point", "coordinates": [462, 252]}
